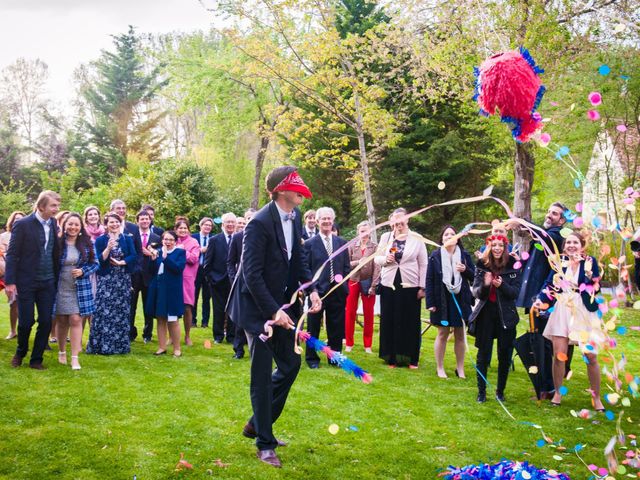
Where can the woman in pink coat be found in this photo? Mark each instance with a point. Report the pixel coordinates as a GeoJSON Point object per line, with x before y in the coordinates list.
{"type": "Point", "coordinates": [192, 249]}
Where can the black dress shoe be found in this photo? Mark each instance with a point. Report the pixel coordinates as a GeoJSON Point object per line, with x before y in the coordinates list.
{"type": "Point", "coordinates": [482, 397]}
{"type": "Point", "coordinates": [16, 361]}
{"type": "Point", "coordinates": [160, 352]}
{"type": "Point", "coordinates": [269, 457]}
{"type": "Point", "coordinates": [250, 432]}
{"type": "Point", "coordinates": [238, 356]}
{"type": "Point", "coordinates": [37, 366]}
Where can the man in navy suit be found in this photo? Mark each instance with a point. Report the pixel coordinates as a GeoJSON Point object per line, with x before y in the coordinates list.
{"type": "Point", "coordinates": [141, 279]}
{"type": "Point", "coordinates": [233, 262]}
{"type": "Point", "coordinates": [203, 237]}
{"type": "Point", "coordinates": [273, 266]}
{"type": "Point", "coordinates": [32, 265]}
{"type": "Point", "coordinates": [318, 249]}
{"type": "Point", "coordinates": [215, 267]}
{"type": "Point", "coordinates": [152, 213]}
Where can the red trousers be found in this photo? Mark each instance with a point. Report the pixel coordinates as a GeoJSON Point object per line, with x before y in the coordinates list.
{"type": "Point", "coordinates": [368, 301]}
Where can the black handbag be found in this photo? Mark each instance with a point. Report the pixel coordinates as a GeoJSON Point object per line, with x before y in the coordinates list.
{"type": "Point", "coordinates": [471, 327]}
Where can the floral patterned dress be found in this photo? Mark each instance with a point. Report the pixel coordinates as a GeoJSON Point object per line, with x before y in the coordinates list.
{"type": "Point", "coordinates": [110, 325]}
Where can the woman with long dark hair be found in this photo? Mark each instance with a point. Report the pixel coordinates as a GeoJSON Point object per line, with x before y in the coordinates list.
{"type": "Point", "coordinates": [496, 286]}
{"type": "Point", "coordinates": [574, 319]}
{"type": "Point", "coordinates": [448, 296]}
{"type": "Point", "coordinates": [165, 298]}
{"type": "Point", "coordinates": [74, 298]}
{"type": "Point", "coordinates": [117, 255]}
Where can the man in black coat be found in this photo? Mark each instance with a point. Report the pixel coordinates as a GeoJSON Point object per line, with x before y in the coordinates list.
{"type": "Point", "coordinates": [318, 248]}
{"type": "Point", "coordinates": [535, 273]}
{"type": "Point", "coordinates": [273, 266]}
{"type": "Point", "coordinates": [215, 268]}
{"type": "Point", "coordinates": [32, 266]}
{"type": "Point", "coordinates": [233, 262]}
{"type": "Point", "coordinates": [141, 279]}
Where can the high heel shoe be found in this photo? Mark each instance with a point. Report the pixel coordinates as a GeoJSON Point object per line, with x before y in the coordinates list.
{"type": "Point", "coordinates": [160, 352]}
{"type": "Point", "coordinates": [75, 365]}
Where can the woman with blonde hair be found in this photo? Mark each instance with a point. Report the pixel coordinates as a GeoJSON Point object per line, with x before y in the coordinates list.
{"type": "Point", "coordinates": [5, 237]}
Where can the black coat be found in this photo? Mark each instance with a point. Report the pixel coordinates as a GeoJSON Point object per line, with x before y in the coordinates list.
{"type": "Point", "coordinates": [25, 248]}
{"type": "Point", "coordinates": [146, 273]}
{"type": "Point", "coordinates": [233, 258]}
{"type": "Point", "coordinates": [316, 253]}
{"type": "Point", "coordinates": [215, 260]}
{"type": "Point", "coordinates": [267, 278]}
{"type": "Point", "coordinates": [537, 268]}
{"type": "Point", "coordinates": [506, 295]}
{"type": "Point", "coordinates": [435, 291]}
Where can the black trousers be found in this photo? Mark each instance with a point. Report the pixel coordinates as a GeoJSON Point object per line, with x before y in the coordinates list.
{"type": "Point", "coordinates": [489, 328]}
{"type": "Point", "coordinates": [220, 293]}
{"type": "Point", "coordinates": [270, 388]}
{"type": "Point", "coordinates": [40, 296]}
{"type": "Point", "coordinates": [239, 341]}
{"type": "Point", "coordinates": [138, 288]}
{"type": "Point", "coordinates": [202, 285]}
{"type": "Point", "coordinates": [540, 323]}
{"type": "Point", "coordinates": [334, 307]}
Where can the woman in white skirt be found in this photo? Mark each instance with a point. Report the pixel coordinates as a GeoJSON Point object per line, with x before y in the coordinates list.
{"type": "Point", "coordinates": [574, 319]}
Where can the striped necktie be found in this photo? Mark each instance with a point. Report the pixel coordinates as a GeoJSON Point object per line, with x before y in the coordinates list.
{"type": "Point", "coordinates": [329, 246]}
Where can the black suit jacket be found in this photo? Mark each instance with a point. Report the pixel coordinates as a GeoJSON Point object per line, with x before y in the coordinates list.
{"type": "Point", "coordinates": [25, 248]}
{"type": "Point", "coordinates": [215, 260]}
{"type": "Point", "coordinates": [233, 257]}
{"type": "Point", "coordinates": [132, 230]}
{"type": "Point", "coordinates": [147, 268]}
{"type": "Point", "coordinates": [267, 278]}
{"type": "Point", "coordinates": [317, 255]}
{"type": "Point", "coordinates": [197, 237]}
{"type": "Point", "coordinates": [157, 230]}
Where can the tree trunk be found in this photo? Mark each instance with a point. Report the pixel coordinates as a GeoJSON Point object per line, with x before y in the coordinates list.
{"type": "Point", "coordinates": [364, 163]}
{"type": "Point", "coordinates": [523, 184]}
{"type": "Point", "coordinates": [262, 153]}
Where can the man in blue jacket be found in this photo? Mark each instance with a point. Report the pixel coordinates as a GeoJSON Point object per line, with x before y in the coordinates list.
{"type": "Point", "coordinates": [273, 266]}
{"type": "Point", "coordinates": [31, 274]}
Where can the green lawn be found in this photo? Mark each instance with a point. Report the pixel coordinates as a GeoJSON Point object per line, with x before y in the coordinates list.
{"type": "Point", "coordinates": [135, 414]}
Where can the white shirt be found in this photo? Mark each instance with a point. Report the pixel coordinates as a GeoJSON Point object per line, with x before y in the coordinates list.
{"type": "Point", "coordinates": [287, 228]}
{"type": "Point", "coordinates": [161, 268]}
{"type": "Point", "coordinates": [46, 224]}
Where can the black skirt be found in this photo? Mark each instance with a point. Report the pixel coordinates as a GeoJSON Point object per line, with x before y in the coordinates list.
{"type": "Point", "coordinates": [399, 324]}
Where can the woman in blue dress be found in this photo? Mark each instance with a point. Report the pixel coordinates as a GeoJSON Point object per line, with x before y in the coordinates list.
{"type": "Point", "coordinates": [165, 298]}
{"type": "Point", "coordinates": [109, 332]}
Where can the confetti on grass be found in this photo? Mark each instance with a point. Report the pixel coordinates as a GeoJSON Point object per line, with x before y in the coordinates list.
{"type": "Point", "coordinates": [504, 469]}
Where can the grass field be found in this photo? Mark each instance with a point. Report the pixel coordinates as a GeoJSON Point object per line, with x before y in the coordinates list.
{"type": "Point", "coordinates": [133, 415]}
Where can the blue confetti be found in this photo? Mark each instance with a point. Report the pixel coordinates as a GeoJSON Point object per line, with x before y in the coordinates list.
{"type": "Point", "coordinates": [604, 70]}
{"type": "Point", "coordinates": [576, 183]}
{"type": "Point", "coordinates": [444, 323]}
{"type": "Point", "coordinates": [353, 428]}
{"type": "Point", "coordinates": [540, 443]}
{"type": "Point", "coordinates": [563, 390]}
{"type": "Point", "coordinates": [624, 77]}
{"type": "Point", "coordinates": [564, 151]}
{"type": "Point", "coordinates": [589, 347]}
{"type": "Point", "coordinates": [609, 414]}
{"type": "Point", "coordinates": [622, 330]}
{"type": "Point", "coordinates": [578, 447]}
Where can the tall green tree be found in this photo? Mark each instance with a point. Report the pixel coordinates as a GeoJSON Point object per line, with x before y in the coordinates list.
{"type": "Point", "coordinates": [119, 119]}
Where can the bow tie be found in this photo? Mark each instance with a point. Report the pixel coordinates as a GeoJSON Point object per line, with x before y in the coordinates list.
{"type": "Point", "coordinates": [288, 216]}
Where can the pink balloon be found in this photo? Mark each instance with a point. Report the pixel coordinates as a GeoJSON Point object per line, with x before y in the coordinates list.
{"type": "Point", "coordinates": [595, 98]}
{"type": "Point", "coordinates": [579, 207]}
{"type": "Point", "coordinates": [525, 256]}
{"type": "Point", "coordinates": [593, 115]}
{"type": "Point", "coordinates": [578, 222]}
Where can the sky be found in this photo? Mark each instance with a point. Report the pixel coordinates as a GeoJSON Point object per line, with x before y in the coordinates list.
{"type": "Point", "coordinates": [66, 33]}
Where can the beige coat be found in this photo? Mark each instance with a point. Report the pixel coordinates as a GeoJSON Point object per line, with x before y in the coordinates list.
{"type": "Point", "coordinates": [370, 269]}
{"type": "Point", "coordinates": [413, 265]}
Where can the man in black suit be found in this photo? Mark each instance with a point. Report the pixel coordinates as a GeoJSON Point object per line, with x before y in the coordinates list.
{"type": "Point", "coordinates": [141, 279]}
{"type": "Point", "coordinates": [310, 228]}
{"type": "Point", "coordinates": [32, 265]}
{"type": "Point", "coordinates": [203, 237]}
{"type": "Point", "coordinates": [318, 249]}
{"type": "Point", "coordinates": [233, 262]}
{"type": "Point", "coordinates": [152, 213]}
{"type": "Point", "coordinates": [118, 207]}
{"type": "Point", "coordinates": [215, 267]}
{"type": "Point", "coordinates": [271, 270]}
